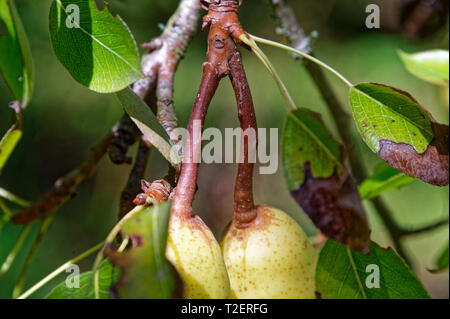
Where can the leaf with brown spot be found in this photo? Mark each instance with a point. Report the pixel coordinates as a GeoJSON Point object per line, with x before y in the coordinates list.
{"type": "Point", "coordinates": [400, 131]}
{"type": "Point", "coordinates": [319, 180]}
{"type": "Point", "coordinates": [145, 272]}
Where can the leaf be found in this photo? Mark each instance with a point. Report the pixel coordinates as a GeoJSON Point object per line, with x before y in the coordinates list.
{"type": "Point", "coordinates": [147, 122]}
{"type": "Point", "coordinates": [442, 262]}
{"type": "Point", "coordinates": [383, 180]}
{"type": "Point", "coordinates": [99, 51]}
{"type": "Point", "coordinates": [401, 132]}
{"type": "Point", "coordinates": [320, 183]}
{"type": "Point", "coordinates": [344, 274]}
{"type": "Point", "coordinates": [146, 274]}
{"type": "Point", "coordinates": [431, 66]}
{"type": "Point", "coordinates": [107, 276]}
{"type": "Point", "coordinates": [306, 140]}
{"type": "Point", "coordinates": [8, 143]}
{"type": "Point", "coordinates": [16, 63]}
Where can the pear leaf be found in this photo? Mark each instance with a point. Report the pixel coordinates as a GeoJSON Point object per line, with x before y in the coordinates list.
{"type": "Point", "coordinates": [400, 131]}
{"type": "Point", "coordinates": [147, 123]}
{"type": "Point", "coordinates": [96, 48]}
{"type": "Point", "coordinates": [318, 180]}
{"type": "Point", "coordinates": [384, 179]}
{"type": "Point", "coordinates": [382, 274]}
{"type": "Point", "coordinates": [16, 64]}
{"type": "Point", "coordinates": [8, 143]}
{"type": "Point", "coordinates": [108, 275]}
{"type": "Point", "coordinates": [431, 66]}
{"type": "Point", "coordinates": [146, 274]}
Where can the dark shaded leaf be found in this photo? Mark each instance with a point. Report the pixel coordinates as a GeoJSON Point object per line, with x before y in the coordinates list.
{"type": "Point", "coordinates": [146, 273]}
{"type": "Point", "coordinates": [401, 132]}
{"type": "Point", "coordinates": [100, 51]}
{"type": "Point", "coordinates": [320, 183]}
{"type": "Point", "coordinates": [344, 274]}
{"type": "Point", "coordinates": [431, 66]}
{"type": "Point", "coordinates": [16, 63]}
{"type": "Point", "coordinates": [384, 179]}
{"type": "Point", "coordinates": [107, 276]}
{"type": "Point", "coordinates": [442, 262]}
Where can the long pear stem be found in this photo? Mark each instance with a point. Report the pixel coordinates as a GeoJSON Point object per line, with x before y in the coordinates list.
{"type": "Point", "coordinates": [244, 207]}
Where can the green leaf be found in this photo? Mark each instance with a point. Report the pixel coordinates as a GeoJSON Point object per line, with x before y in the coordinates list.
{"type": "Point", "coordinates": [99, 51]}
{"type": "Point", "coordinates": [147, 122]}
{"type": "Point", "coordinates": [442, 262]}
{"type": "Point", "coordinates": [319, 181]}
{"type": "Point", "coordinates": [8, 143]}
{"type": "Point", "coordinates": [384, 179]}
{"type": "Point", "coordinates": [307, 140]}
{"type": "Point", "coordinates": [431, 66]}
{"type": "Point", "coordinates": [146, 274]}
{"type": "Point", "coordinates": [108, 275]}
{"type": "Point", "coordinates": [385, 113]}
{"type": "Point", "coordinates": [15, 56]}
{"type": "Point", "coordinates": [344, 274]}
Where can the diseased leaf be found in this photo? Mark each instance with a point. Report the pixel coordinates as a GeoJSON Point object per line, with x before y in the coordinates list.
{"type": "Point", "coordinates": [320, 183]}
{"type": "Point", "coordinates": [108, 275]}
{"type": "Point", "coordinates": [99, 51]}
{"type": "Point", "coordinates": [384, 179]}
{"type": "Point", "coordinates": [8, 143]}
{"type": "Point", "coordinates": [146, 121]}
{"type": "Point", "coordinates": [431, 66]}
{"type": "Point", "coordinates": [344, 274]}
{"type": "Point", "coordinates": [15, 56]}
{"type": "Point", "coordinates": [395, 126]}
{"type": "Point", "coordinates": [442, 262]}
{"type": "Point", "coordinates": [146, 274]}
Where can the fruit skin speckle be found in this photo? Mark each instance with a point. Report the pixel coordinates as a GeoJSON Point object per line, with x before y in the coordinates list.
{"type": "Point", "coordinates": [195, 253]}
{"type": "Point", "coordinates": [285, 268]}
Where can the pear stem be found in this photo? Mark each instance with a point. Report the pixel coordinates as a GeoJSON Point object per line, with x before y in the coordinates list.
{"type": "Point", "coordinates": [187, 183]}
{"type": "Point", "coordinates": [224, 27]}
{"type": "Point", "coordinates": [244, 206]}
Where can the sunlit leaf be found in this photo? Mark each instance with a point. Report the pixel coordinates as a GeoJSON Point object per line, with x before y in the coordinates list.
{"type": "Point", "coordinates": [431, 66]}
{"type": "Point", "coordinates": [98, 50]}
{"type": "Point", "coordinates": [344, 274]}
{"type": "Point", "coordinates": [15, 56]}
{"type": "Point", "coordinates": [8, 143]}
{"type": "Point", "coordinates": [146, 121]}
{"type": "Point", "coordinates": [401, 132]}
{"type": "Point", "coordinates": [384, 179]}
{"type": "Point", "coordinates": [146, 274]}
{"type": "Point", "coordinates": [108, 275]}
{"type": "Point", "coordinates": [319, 181]}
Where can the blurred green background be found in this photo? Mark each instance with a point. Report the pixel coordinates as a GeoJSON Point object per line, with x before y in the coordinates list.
{"type": "Point", "coordinates": [65, 119]}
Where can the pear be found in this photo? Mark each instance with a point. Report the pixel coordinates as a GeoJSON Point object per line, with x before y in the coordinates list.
{"type": "Point", "coordinates": [195, 253]}
{"type": "Point", "coordinates": [271, 258]}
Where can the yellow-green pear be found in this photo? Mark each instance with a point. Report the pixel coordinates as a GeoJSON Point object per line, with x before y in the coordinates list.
{"type": "Point", "coordinates": [271, 258]}
{"type": "Point", "coordinates": [195, 253]}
